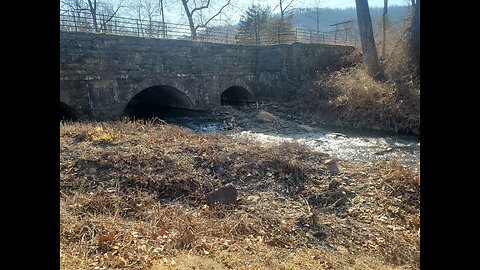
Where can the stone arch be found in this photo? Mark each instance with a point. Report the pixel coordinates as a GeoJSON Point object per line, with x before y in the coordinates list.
{"type": "Point", "coordinates": [236, 96]}
{"type": "Point", "coordinates": [160, 101]}
{"type": "Point", "coordinates": [67, 112]}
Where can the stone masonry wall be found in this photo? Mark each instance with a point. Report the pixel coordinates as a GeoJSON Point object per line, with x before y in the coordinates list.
{"type": "Point", "coordinates": [100, 73]}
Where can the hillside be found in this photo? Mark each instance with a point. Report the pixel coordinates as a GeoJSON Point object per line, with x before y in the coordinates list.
{"type": "Point", "coordinates": [306, 18]}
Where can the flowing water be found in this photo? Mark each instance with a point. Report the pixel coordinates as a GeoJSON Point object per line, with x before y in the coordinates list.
{"type": "Point", "coordinates": [347, 144]}
{"type": "Point", "coordinates": [350, 147]}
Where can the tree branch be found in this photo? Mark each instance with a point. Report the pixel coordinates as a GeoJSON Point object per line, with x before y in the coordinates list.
{"type": "Point", "coordinates": [284, 9]}
{"type": "Point", "coordinates": [92, 6]}
{"type": "Point", "coordinates": [288, 5]}
{"type": "Point", "coordinates": [218, 13]}
{"type": "Point", "coordinates": [111, 17]}
{"type": "Point", "coordinates": [201, 7]}
{"type": "Point", "coordinates": [68, 4]}
{"type": "Point", "coordinates": [275, 7]}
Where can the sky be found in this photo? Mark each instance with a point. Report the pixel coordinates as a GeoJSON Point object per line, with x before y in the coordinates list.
{"type": "Point", "coordinates": [243, 4]}
{"type": "Point", "coordinates": [174, 11]}
{"type": "Point", "coordinates": [326, 3]}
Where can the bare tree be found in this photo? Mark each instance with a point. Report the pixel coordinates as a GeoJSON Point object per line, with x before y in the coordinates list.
{"type": "Point", "coordinates": [384, 26]}
{"type": "Point", "coordinates": [74, 7]}
{"type": "Point", "coordinates": [315, 9]}
{"type": "Point", "coordinates": [367, 39]}
{"type": "Point", "coordinates": [136, 7]}
{"type": "Point", "coordinates": [283, 10]}
{"type": "Point", "coordinates": [147, 13]}
{"type": "Point", "coordinates": [151, 10]}
{"type": "Point", "coordinates": [164, 30]}
{"type": "Point", "coordinates": [200, 13]}
{"type": "Point", "coordinates": [317, 13]}
{"type": "Point", "coordinates": [414, 40]}
{"type": "Point", "coordinates": [93, 8]}
{"type": "Point", "coordinates": [106, 12]}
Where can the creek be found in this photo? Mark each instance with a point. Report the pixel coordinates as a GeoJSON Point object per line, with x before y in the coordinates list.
{"type": "Point", "coordinates": [348, 144]}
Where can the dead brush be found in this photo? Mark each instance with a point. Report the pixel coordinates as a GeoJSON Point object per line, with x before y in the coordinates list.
{"type": "Point", "coordinates": [141, 200]}
{"type": "Point", "coordinates": [350, 97]}
{"type": "Point", "coordinates": [401, 178]}
{"type": "Point", "coordinates": [402, 249]}
{"type": "Point", "coordinates": [293, 148]}
{"type": "Point", "coordinates": [397, 61]}
{"type": "Point", "coordinates": [357, 100]}
{"type": "Point", "coordinates": [97, 235]}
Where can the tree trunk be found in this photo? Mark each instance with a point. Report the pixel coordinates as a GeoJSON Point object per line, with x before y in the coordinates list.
{"type": "Point", "coordinates": [256, 30]}
{"type": "Point", "coordinates": [281, 16]}
{"type": "Point", "coordinates": [193, 30]}
{"type": "Point", "coordinates": [164, 33]}
{"type": "Point", "coordinates": [384, 41]}
{"type": "Point", "coordinates": [150, 25]}
{"type": "Point", "coordinates": [93, 10]}
{"type": "Point", "coordinates": [415, 37]}
{"type": "Point", "coordinates": [366, 37]}
{"type": "Point", "coordinates": [74, 21]}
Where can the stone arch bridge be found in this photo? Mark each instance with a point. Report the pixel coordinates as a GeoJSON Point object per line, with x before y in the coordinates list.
{"type": "Point", "coordinates": [105, 77]}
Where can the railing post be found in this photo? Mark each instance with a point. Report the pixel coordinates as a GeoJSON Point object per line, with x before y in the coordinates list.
{"type": "Point", "coordinates": [104, 24]}
{"type": "Point", "coordinates": [82, 22]}
{"type": "Point", "coordinates": [75, 22]}
{"type": "Point", "coordinates": [346, 35]}
{"type": "Point", "coordinates": [138, 28]}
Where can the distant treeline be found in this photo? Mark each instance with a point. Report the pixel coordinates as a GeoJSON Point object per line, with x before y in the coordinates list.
{"type": "Point", "coordinates": [307, 17]}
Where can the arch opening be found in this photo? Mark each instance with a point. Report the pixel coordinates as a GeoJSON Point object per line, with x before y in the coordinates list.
{"type": "Point", "coordinates": [67, 113]}
{"type": "Point", "coordinates": [159, 101]}
{"type": "Point", "coordinates": [236, 96]}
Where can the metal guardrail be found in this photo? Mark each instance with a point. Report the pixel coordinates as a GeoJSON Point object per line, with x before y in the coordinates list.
{"type": "Point", "coordinates": [81, 21]}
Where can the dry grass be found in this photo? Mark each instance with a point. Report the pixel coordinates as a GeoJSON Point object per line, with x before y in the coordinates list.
{"type": "Point", "coordinates": [136, 201]}
{"type": "Point", "coordinates": [267, 117]}
{"type": "Point", "coordinates": [397, 62]}
{"type": "Point", "coordinates": [355, 99]}
{"type": "Point", "coordinates": [350, 97]}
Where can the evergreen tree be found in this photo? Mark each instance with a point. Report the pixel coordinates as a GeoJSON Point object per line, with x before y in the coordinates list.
{"type": "Point", "coordinates": [257, 26]}
{"type": "Point", "coordinates": [253, 23]}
